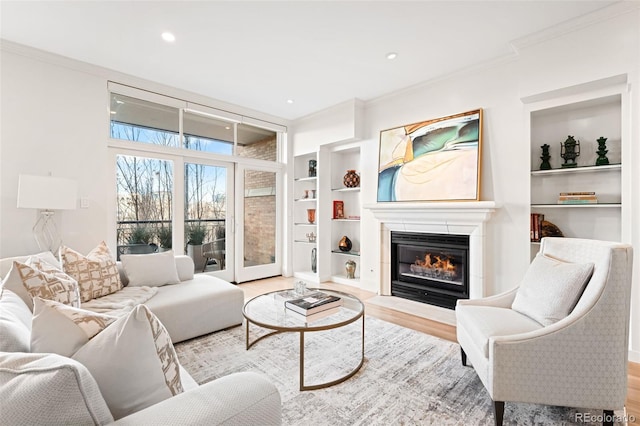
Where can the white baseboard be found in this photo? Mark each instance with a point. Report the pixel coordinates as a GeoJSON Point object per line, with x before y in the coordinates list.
{"type": "Point", "coordinates": [634, 356]}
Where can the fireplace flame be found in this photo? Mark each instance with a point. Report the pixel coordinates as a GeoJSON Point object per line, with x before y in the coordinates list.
{"type": "Point", "coordinates": [437, 263]}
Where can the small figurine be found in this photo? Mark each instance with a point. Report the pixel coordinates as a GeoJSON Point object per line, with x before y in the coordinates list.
{"type": "Point", "coordinates": [570, 150]}
{"type": "Point", "coordinates": [602, 152]}
{"type": "Point", "coordinates": [545, 158]}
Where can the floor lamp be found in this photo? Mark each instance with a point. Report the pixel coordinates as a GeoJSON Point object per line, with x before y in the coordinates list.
{"type": "Point", "coordinates": [47, 194]}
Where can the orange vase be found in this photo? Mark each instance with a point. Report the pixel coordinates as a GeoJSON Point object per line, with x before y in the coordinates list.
{"type": "Point", "coordinates": [311, 215]}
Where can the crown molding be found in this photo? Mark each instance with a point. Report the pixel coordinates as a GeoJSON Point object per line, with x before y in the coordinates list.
{"type": "Point", "coordinates": [574, 24]}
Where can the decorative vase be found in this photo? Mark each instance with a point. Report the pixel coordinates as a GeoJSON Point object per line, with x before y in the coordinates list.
{"type": "Point", "coordinates": [350, 267]}
{"type": "Point", "coordinates": [351, 179]}
{"type": "Point", "coordinates": [569, 151]}
{"type": "Point", "coordinates": [345, 244]}
{"type": "Point", "coordinates": [602, 152]}
{"type": "Point", "coordinates": [312, 168]}
{"type": "Point", "coordinates": [311, 215]}
{"type": "Point", "coordinates": [545, 165]}
{"type": "Point", "coordinates": [314, 260]}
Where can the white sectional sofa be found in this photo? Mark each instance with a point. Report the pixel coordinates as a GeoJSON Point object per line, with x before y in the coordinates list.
{"type": "Point", "coordinates": [47, 388]}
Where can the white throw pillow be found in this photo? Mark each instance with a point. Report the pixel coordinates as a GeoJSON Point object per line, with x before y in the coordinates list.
{"type": "Point", "coordinates": [12, 281]}
{"type": "Point", "coordinates": [62, 329]}
{"type": "Point", "coordinates": [96, 273]}
{"type": "Point", "coordinates": [134, 362]}
{"type": "Point", "coordinates": [551, 288]}
{"type": "Point", "coordinates": [151, 270]}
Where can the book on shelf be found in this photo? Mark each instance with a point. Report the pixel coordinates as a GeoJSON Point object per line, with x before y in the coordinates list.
{"type": "Point", "coordinates": [581, 201]}
{"type": "Point", "coordinates": [577, 198]}
{"type": "Point", "coordinates": [315, 317]}
{"type": "Point", "coordinates": [313, 303]}
{"type": "Point", "coordinates": [536, 226]}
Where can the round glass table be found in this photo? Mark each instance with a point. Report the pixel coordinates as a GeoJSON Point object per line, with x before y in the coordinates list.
{"type": "Point", "coordinates": [269, 311]}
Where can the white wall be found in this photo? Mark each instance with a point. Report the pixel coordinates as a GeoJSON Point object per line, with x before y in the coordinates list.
{"type": "Point", "coordinates": [605, 45]}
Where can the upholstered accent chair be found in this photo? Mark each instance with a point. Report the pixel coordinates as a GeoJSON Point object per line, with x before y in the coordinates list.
{"type": "Point", "coordinates": [572, 356]}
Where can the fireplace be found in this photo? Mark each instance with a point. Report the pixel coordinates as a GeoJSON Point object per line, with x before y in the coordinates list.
{"type": "Point", "coordinates": [430, 268]}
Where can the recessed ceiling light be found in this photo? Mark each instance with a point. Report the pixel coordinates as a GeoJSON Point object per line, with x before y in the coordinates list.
{"type": "Point", "coordinates": [113, 112]}
{"type": "Point", "coordinates": [227, 128]}
{"type": "Point", "coordinates": [392, 55]}
{"type": "Point", "coordinates": [289, 101]}
{"type": "Point", "coordinates": [168, 37]}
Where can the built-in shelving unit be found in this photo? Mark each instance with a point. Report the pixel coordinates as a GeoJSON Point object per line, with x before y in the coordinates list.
{"type": "Point", "coordinates": [343, 158]}
{"type": "Point", "coordinates": [304, 188]}
{"type": "Point", "coordinates": [586, 116]}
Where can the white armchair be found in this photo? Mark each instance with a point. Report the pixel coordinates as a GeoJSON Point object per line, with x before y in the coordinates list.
{"type": "Point", "coordinates": [580, 360]}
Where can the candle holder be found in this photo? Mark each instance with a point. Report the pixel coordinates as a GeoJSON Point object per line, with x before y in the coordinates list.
{"type": "Point", "coordinates": [545, 165]}
{"type": "Point", "coordinates": [602, 159]}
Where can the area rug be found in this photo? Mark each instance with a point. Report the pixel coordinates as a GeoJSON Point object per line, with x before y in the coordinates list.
{"type": "Point", "coordinates": [408, 378]}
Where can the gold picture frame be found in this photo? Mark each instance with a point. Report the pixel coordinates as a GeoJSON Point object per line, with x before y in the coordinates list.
{"type": "Point", "coordinates": [432, 160]}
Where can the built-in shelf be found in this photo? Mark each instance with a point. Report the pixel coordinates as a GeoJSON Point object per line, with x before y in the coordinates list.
{"type": "Point", "coordinates": [305, 224]}
{"type": "Point", "coordinates": [303, 200]}
{"type": "Point", "coordinates": [346, 253]}
{"type": "Point", "coordinates": [574, 206]}
{"type": "Point", "coordinates": [303, 179]}
{"type": "Point", "coordinates": [346, 220]}
{"type": "Point", "coordinates": [582, 169]}
{"type": "Point", "coordinates": [305, 242]}
{"type": "Point", "coordinates": [356, 189]}
{"type": "Point", "coordinates": [342, 279]}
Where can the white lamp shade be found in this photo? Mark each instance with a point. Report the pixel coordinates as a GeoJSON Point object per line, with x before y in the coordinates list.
{"type": "Point", "coordinates": [47, 193]}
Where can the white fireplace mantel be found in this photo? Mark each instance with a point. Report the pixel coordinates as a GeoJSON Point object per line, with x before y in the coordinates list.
{"type": "Point", "coordinates": [462, 218]}
{"type": "Point", "coordinates": [461, 213]}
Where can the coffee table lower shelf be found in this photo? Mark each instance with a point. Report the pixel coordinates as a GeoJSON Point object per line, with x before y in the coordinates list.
{"type": "Point", "coordinates": [278, 330]}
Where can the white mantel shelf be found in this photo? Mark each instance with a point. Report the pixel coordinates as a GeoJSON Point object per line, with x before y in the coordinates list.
{"type": "Point", "coordinates": [426, 213]}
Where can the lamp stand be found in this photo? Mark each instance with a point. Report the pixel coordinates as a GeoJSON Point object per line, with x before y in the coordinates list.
{"type": "Point", "coordinates": [46, 232]}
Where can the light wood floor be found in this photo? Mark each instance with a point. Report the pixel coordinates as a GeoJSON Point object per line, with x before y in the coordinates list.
{"type": "Point", "coordinates": [444, 331]}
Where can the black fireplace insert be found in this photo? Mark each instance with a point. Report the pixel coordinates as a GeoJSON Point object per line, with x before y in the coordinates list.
{"type": "Point", "coordinates": [430, 268]}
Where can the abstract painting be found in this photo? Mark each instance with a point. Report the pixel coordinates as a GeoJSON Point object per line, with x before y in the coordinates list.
{"type": "Point", "coordinates": [433, 160]}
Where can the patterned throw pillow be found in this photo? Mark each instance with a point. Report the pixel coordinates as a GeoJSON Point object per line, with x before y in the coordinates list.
{"type": "Point", "coordinates": [62, 329]}
{"type": "Point", "coordinates": [41, 279]}
{"type": "Point", "coordinates": [134, 362]}
{"type": "Point", "coordinates": [96, 273]}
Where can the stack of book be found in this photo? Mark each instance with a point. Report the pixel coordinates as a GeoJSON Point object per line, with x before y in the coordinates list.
{"type": "Point", "coordinates": [536, 227]}
{"type": "Point", "coordinates": [313, 303]}
{"type": "Point", "coordinates": [577, 198]}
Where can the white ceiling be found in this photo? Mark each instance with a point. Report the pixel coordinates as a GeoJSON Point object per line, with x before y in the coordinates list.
{"type": "Point", "coordinates": [260, 54]}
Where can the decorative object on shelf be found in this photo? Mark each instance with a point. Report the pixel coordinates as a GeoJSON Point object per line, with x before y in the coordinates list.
{"type": "Point", "coordinates": [306, 194]}
{"type": "Point", "coordinates": [312, 168]}
{"type": "Point", "coordinates": [338, 209]}
{"type": "Point", "coordinates": [311, 215]}
{"type": "Point", "coordinates": [426, 161]}
{"type": "Point", "coordinates": [548, 229]}
{"type": "Point", "coordinates": [314, 260]}
{"type": "Point", "coordinates": [602, 159]}
{"type": "Point", "coordinates": [311, 236]}
{"type": "Point", "coordinates": [545, 165]}
{"type": "Point", "coordinates": [350, 267]}
{"type": "Point", "coordinates": [313, 193]}
{"type": "Point", "coordinates": [569, 151]}
{"type": "Point", "coordinates": [351, 179]}
{"type": "Point", "coordinates": [345, 244]}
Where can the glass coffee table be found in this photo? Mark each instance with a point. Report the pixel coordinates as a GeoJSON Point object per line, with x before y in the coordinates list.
{"type": "Point", "coordinates": [268, 311]}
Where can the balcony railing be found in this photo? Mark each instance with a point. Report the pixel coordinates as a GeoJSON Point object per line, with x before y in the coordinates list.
{"type": "Point", "coordinates": [125, 229]}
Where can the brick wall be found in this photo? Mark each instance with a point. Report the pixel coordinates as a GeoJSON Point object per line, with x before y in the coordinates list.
{"type": "Point", "coordinates": [259, 205]}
